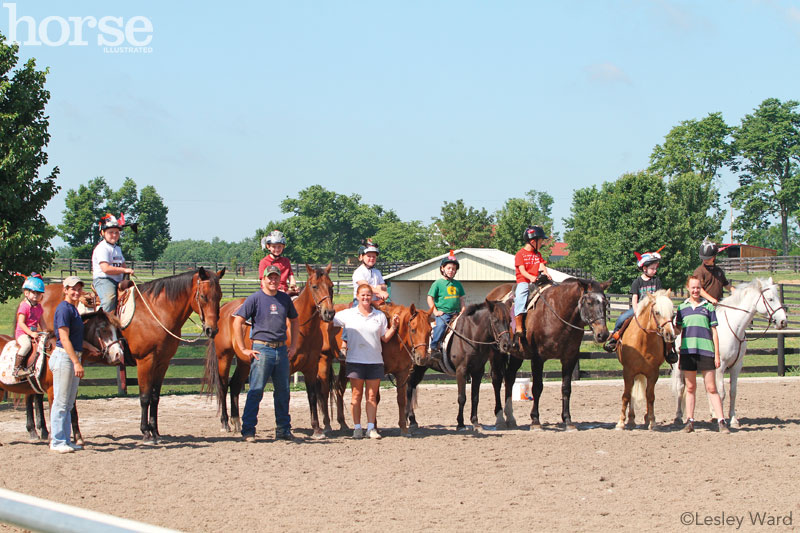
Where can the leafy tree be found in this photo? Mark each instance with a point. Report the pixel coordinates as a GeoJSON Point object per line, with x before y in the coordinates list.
{"type": "Point", "coordinates": [327, 226]}
{"type": "Point", "coordinates": [768, 144]}
{"type": "Point", "coordinates": [24, 233]}
{"type": "Point", "coordinates": [519, 213]}
{"type": "Point", "coordinates": [405, 241]}
{"type": "Point", "coordinates": [771, 237]}
{"type": "Point", "coordinates": [462, 226]}
{"type": "Point", "coordinates": [639, 213]}
{"type": "Point", "coordinates": [699, 146]}
{"type": "Point", "coordinates": [153, 236]}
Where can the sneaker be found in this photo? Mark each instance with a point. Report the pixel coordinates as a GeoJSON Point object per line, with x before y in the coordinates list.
{"type": "Point", "coordinates": [249, 438]}
{"type": "Point", "coordinates": [61, 448]}
{"type": "Point", "coordinates": [689, 427]}
{"type": "Point", "coordinates": [284, 435]}
{"type": "Point", "coordinates": [373, 434]}
{"type": "Point", "coordinates": [358, 433]}
{"type": "Point", "coordinates": [723, 427]}
{"type": "Point", "coordinates": [74, 446]}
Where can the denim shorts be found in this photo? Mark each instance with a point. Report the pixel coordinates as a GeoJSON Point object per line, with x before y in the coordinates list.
{"type": "Point", "coordinates": [696, 362]}
{"type": "Point", "coordinates": [364, 370]}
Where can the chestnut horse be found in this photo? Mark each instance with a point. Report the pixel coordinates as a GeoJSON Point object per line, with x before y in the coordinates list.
{"type": "Point", "coordinates": [554, 330]}
{"type": "Point", "coordinates": [162, 308]}
{"type": "Point", "coordinates": [100, 330]}
{"type": "Point", "coordinates": [641, 352]}
{"type": "Point", "coordinates": [407, 346]}
{"type": "Point", "coordinates": [315, 304]}
{"type": "Point", "coordinates": [482, 330]}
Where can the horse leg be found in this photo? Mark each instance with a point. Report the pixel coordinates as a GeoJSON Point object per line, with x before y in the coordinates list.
{"type": "Point", "coordinates": [719, 378]}
{"type": "Point", "coordinates": [732, 420]}
{"type": "Point", "coordinates": [537, 368]}
{"type": "Point", "coordinates": [411, 394]}
{"type": "Point", "coordinates": [235, 386]}
{"type": "Point", "coordinates": [144, 374]}
{"type": "Point", "coordinates": [77, 438]}
{"type": "Point", "coordinates": [650, 394]}
{"type": "Point", "coordinates": [499, 362]}
{"type": "Point", "coordinates": [324, 379]}
{"type": "Point", "coordinates": [402, 399]}
{"type": "Point", "coordinates": [33, 436]}
{"type": "Point", "coordinates": [311, 392]}
{"type": "Point", "coordinates": [461, 378]}
{"type": "Point", "coordinates": [510, 377]}
{"type": "Point", "coordinates": [155, 396]}
{"type": "Point", "coordinates": [222, 393]}
{"type": "Point", "coordinates": [626, 398]}
{"type": "Point", "coordinates": [477, 376]}
{"type": "Point", "coordinates": [566, 391]}
{"type": "Point", "coordinates": [40, 418]}
{"type": "Point", "coordinates": [338, 389]}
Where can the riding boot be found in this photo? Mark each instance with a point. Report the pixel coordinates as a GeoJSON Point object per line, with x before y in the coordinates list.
{"type": "Point", "coordinates": [19, 370]}
{"type": "Point", "coordinates": [436, 353]}
{"type": "Point", "coordinates": [613, 340]}
{"type": "Point", "coordinates": [519, 333]}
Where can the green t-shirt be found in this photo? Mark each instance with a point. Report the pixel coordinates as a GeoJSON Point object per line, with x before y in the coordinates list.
{"type": "Point", "coordinates": [446, 295]}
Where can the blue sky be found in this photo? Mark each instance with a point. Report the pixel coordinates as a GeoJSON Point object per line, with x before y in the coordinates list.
{"type": "Point", "coordinates": [236, 106]}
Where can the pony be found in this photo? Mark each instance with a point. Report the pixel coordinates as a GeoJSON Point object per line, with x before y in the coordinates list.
{"type": "Point", "coordinates": [482, 330]}
{"type": "Point", "coordinates": [314, 304]}
{"type": "Point", "coordinates": [734, 315]}
{"type": "Point", "coordinates": [162, 308]}
{"type": "Point", "coordinates": [554, 330]}
{"type": "Point", "coordinates": [641, 353]}
{"type": "Point", "coordinates": [101, 330]}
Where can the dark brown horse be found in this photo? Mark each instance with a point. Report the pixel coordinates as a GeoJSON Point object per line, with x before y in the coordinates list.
{"type": "Point", "coordinates": [482, 330]}
{"type": "Point", "coordinates": [408, 345]}
{"type": "Point", "coordinates": [162, 308]}
{"type": "Point", "coordinates": [554, 330]}
{"type": "Point", "coordinates": [101, 331]}
{"type": "Point", "coordinates": [314, 305]}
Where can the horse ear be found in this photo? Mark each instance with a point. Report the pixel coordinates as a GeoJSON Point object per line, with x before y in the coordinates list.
{"type": "Point", "coordinates": [770, 282]}
{"type": "Point", "coordinates": [490, 304]}
{"type": "Point", "coordinates": [328, 268]}
{"type": "Point", "coordinates": [309, 270]}
{"type": "Point", "coordinates": [606, 284]}
{"type": "Point", "coordinates": [221, 272]}
{"type": "Point", "coordinates": [412, 309]}
{"type": "Point", "coordinates": [203, 274]}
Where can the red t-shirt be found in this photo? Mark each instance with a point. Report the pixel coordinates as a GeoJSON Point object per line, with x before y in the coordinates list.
{"type": "Point", "coordinates": [531, 260]}
{"type": "Point", "coordinates": [281, 262]}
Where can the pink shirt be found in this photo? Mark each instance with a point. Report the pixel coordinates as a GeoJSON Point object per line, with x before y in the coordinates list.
{"type": "Point", "coordinates": [32, 316]}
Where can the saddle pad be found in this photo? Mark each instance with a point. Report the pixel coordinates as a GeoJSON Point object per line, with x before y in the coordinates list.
{"type": "Point", "coordinates": [126, 307]}
{"type": "Point", "coordinates": [9, 356]}
{"type": "Point", "coordinates": [447, 364]}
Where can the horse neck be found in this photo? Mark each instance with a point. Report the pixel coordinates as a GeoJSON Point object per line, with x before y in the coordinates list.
{"type": "Point", "coordinates": [305, 307]}
{"type": "Point", "coordinates": [474, 329]}
{"type": "Point", "coordinates": [739, 319]}
{"type": "Point", "coordinates": [166, 314]}
{"type": "Point", "coordinates": [568, 304]}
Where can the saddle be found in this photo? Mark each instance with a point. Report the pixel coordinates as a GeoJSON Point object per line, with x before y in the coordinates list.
{"type": "Point", "coordinates": [535, 291]}
{"type": "Point", "coordinates": [447, 363]}
{"type": "Point", "coordinates": [126, 303]}
{"type": "Point", "coordinates": [36, 362]}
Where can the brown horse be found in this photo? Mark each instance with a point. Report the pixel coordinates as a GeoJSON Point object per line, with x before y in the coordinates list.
{"type": "Point", "coordinates": [641, 353]}
{"type": "Point", "coordinates": [100, 330]}
{"type": "Point", "coordinates": [407, 346]}
{"type": "Point", "coordinates": [482, 330]}
{"type": "Point", "coordinates": [554, 330]}
{"type": "Point", "coordinates": [315, 304]}
{"type": "Point", "coordinates": [162, 308]}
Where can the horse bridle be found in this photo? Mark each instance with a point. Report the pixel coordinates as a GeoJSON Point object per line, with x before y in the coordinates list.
{"type": "Point", "coordinates": [659, 326]}
{"type": "Point", "coordinates": [411, 348]}
{"type": "Point", "coordinates": [317, 304]}
{"type": "Point", "coordinates": [587, 320]}
{"type": "Point", "coordinates": [770, 314]}
{"type": "Point", "coordinates": [495, 335]}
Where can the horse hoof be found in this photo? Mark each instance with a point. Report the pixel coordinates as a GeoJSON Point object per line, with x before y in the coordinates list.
{"type": "Point", "coordinates": [80, 442]}
{"type": "Point", "coordinates": [570, 427]}
{"type": "Point", "coordinates": [536, 427]}
{"type": "Point", "coordinates": [476, 428]}
{"type": "Point", "coordinates": [678, 422]}
{"type": "Point", "coordinates": [327, 430]}
{"type": "Point", "coordinates": [461, 429]}
{"type": "Point", "coordinates": [413, 426]}
{"type": "Point", "coordinates": [734, 423]}
{"type": "Point", "coordinates": [620, 426]}
{"type": "Point", "coordinates": [511, 423]}
{"type": "Point", "coordinates": [318, 435]}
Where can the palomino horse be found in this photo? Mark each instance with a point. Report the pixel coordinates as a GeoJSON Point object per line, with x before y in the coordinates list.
{"type": "Point", "coordinates": [734, 315]}
{"type": "Point", "coordinates": [407, 346]}
{"type": "Point", "coordinates": [314, 305]}
{"type": "Point", "coordinates": [482, 330]}
{"type": "Point", "coordinates": [554, 330]}
{"type": "Point", "coordinates": [641, 353]}
{"type": "Point", "coordinates": [100, 330]}
{"type": "Point", "coordinates": [162, 307]}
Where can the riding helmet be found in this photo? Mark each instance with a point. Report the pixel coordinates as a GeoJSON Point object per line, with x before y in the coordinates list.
{"type": "Point", "coordinates": [450, 258]}
{"type": "Point", "coordinates": [534, 232]}
{"type": "Point", "coordinates": [108, 222]}
{"type": "Point", "coordinates": [370, 246]}
{"type": "Point", "coordinates": [34, 283]}
{"type": "Point", "coordinates": [708, 249]}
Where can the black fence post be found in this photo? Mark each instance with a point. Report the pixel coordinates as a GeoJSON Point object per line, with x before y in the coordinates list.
{"type": "Point", "coordinates": [781, 345]}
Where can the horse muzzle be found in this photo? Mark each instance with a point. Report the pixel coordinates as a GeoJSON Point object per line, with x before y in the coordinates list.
{"type": "Point", "coordinates": [327, 315]}
{"type": "Point", "coordinates": [600, 331]}
{"type": "Point", "coordinates": [210, 332]}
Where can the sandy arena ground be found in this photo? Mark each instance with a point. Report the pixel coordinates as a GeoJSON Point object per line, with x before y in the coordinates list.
{"type": "Point", "coordinates": [515, 480]}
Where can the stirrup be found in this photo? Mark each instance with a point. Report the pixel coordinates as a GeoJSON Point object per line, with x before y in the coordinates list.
{"type": "Point", "coordinates": [611, 344]}
{"type": "Point", "coordinates": [671, 357]}
{"type": "Point", "coordinates": [21, 372]}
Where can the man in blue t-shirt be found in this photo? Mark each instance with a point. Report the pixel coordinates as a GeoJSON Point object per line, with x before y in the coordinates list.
{"type": "Point", "coordinates": [268, 310]}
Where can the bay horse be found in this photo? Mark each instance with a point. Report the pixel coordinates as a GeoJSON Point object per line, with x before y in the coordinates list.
{"type": "Point", "coordinates": [407, 346]}
{"type": "Point", "coordinates": [162, 308]}
{"type": "Point", "coordinates": [101, 330]}
{"type": "Point", "coordinates": [314, 304]}
{"type": "Point", "coordinates": [641, 352]}
{"type": "Point", "coordinates": [734, 315]}
{"type": "Point", "coordinates": [554, 330]}
{"type": "Point", "coordinates": [481, 331]}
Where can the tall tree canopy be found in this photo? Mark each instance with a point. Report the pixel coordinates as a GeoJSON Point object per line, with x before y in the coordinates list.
{"type": "Point", "coordinates": [88, 203]}
{"type": "Point", "coordinates": [699, 146]}
{"type": "Point", "coordinates": [462, 226]}
{"type": "Point", "coordinates": [536, 208]}
{"type": "Point", "coordinates": [24, 233]}
{"type": "Point", "coordinates": [768, 144]}
{"type": "Point", "coordinates": [639, 213]}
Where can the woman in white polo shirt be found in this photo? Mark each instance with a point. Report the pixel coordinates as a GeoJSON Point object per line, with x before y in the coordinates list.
{"type": "Point", "coordinates": [366, 327]}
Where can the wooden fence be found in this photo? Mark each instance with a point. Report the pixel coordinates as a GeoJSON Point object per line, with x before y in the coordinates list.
{"type": "Point", "coordinates": [779, 263]}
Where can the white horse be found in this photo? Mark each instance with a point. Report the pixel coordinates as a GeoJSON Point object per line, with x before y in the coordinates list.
{"type": "Point", "coordinates": [734, 314]}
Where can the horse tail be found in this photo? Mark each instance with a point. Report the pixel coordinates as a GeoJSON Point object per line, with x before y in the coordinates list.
{"type": "Point", "coordinates": [414, 396]}
{"type": "Point", "coordinates": [211, 382]}
{"type": "Point", "coordinates": [637, 394]}
{"type": "Point", "coordinates": [677, 386]}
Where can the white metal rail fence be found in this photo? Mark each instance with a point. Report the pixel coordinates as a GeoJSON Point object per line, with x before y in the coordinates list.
{"type": "Point", "coordinates": [36, 514]}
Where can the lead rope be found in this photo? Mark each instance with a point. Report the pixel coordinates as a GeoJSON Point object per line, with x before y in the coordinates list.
{"type": "Point", "coordinates": [136, 286]}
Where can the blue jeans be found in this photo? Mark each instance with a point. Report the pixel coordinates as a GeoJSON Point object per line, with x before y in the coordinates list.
{"type": "Point", "coordinates": [622, 318]}
{"type": "Point", "coordinates": [65, 389]}
{"type": "Point", "coordinates": [520, 297]}
{"type": "Point", "coordinates": [440, 328]}
{"type": "Point", "coordinates": [271, 363]}
{"type": "Point", "coordinates": [106, 290]}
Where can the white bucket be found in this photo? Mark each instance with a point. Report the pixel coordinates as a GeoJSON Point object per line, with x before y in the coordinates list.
{"type": "Point", "coordinates": [522, 390]}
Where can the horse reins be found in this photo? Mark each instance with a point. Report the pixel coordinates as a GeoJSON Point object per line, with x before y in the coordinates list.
{"type": "Point", "coordinates": [496, 336]}
{"type": "Point", "coordinates": [147, 305]}
{"type": "Point", "coordinates": [659, 327]}
{"type": "Point", "coordinates": [770, 314]}
{"type": "Point", "coordinates": [580, 311]}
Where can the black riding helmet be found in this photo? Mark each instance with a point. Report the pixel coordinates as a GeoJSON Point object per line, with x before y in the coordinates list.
{"type": "Point", "coordinates": [534, 232]}
{"type": "Point", "coordinates": [708, 249]}
{"type": "Point", "coordinates": [450, 258]}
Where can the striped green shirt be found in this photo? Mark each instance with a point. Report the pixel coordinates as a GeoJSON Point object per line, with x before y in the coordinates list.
{"type": "Point", "coordinates": [697, 322]}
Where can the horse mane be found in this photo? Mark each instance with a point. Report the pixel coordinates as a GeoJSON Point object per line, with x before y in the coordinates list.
{"type": "Point", "coordinates": [474, 308]}
{"type": "Point", "coordinates": [742, 289]}
{"type": "Point", "coordinates": [660, 300]}
{"type": "Point", "coordinates": [173, 285]}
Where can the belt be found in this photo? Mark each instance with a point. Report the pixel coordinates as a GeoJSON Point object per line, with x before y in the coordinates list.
{"type": "Point", "coordinates": [269, 344]}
